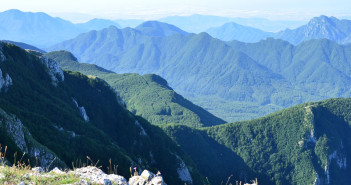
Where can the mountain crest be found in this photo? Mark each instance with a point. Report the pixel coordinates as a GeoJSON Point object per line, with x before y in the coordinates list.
{"type": "Point", "coordinates": [156, 28]}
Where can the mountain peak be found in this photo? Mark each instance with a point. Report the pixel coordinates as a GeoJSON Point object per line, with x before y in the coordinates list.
{"type": "Point", "coordinates": [13, 11]}
{"type": "Point", "coordinates": [317, 28]}
{"type": "Point", "coordinates": [16, 12]}
{"type": "Point", "coordinates": [156, 28]}
{"type": "Point", "coordinates": [321, 19]}
{"type": "Point", "coordinates": [98, 24]}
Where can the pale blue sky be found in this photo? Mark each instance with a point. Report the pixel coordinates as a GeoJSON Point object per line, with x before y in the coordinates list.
{"type": "Point", "coordinates": [79, 10]}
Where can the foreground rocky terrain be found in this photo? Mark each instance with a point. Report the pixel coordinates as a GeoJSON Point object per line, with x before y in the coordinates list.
{"type": "Point", "coordinates": [84, 176]}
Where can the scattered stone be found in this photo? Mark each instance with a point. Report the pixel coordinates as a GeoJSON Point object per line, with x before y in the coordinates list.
{"type": "Point", "coordinates": [38, 169]}
{"type": "Point", "coordinates": [157, 181]}
{"type": "Point", "coordinates": [107, 182]}
{"type": "Point", "coordinates": [57, 171]}
{"type": "Point", "coordinates": [137, 180]}
{"type": "Point", "coordinates": [95, 175]}
{"type": "Point", "coordinates": [146, 178]}
{"type": "Point", "coordinates": [82, 182]}
{"type": "Point", "coordinates": [147, 175]}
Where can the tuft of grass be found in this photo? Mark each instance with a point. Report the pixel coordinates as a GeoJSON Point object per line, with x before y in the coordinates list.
{"type": "Point", "coordinates": [55, 179]}
{"type": "Point", "coordinates": [2, 155]}
{"type": "Point", "coordinates": [110, 169]}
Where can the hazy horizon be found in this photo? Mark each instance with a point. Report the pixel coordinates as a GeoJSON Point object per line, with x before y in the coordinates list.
{"type": "Point", "coordinates": [82, 11]}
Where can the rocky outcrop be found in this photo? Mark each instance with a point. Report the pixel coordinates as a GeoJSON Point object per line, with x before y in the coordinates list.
{"type": "Point", "coordinates": [15, 129]}
{"type": "Point", "coordinates": [55, 71]}
{"type": "Point", "coordinates": [95, 175]}
{"type": "Point", "coordinates": [5, 82]}
{"type": "Point", "coordinates": [82, 111]}
{"type": "Point", "coordinates": [53, 67]}
{"type": "Point", "coordinates": [146, 178]}
{"type": "Point", "coordinates": [25, 142]}
{"type": "Point", "coordinates": [2, 57]}
{"type": "Point", "coordinates": [183, 172]}
{"type": "Point", "coordinates": [142, 130]}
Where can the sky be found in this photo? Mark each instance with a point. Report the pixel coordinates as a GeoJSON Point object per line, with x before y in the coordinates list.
{"type": "Point", "coordinates": [83, 10]}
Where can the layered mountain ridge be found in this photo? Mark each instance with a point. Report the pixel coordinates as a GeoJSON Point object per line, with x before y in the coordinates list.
{"type": "Point", "coordinates": [221, 75]}
{"type": "Point", "coordinates": [322, 27]}
{"type": "Point", "coordinates": [148, 95]}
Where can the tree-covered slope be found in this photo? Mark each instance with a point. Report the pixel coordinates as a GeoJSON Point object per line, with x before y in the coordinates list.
{"type": "Point", "coordinates": [319, 67]}
{"type": "Point", "coordinates": [306, 144]}
{"type": "Point", "coordinates": [148, 95]}
{"type": "Point", "coordinates": [24, 46]}
{"type": "Point", "coordinates": [49, 113]}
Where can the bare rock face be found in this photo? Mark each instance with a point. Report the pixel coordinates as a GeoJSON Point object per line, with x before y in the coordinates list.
{"type": "Point", "coordinates": [95, 175]}
{"type": "Point", "coordinates": [146, 178]}
{"type": "Point", "coordinates": [54, 70]}
{"type": "Point", "coordinates": [183, 172]}
{"type": "Point", "coordinates": [20, 135]}
{"type": "Point", "coordinates": [5, 82]}
{"type": "Point", "coordinates": [2, 56]}
{"type": "Point", "coordinates": [82, 111]}
{"type": "Point", "coordinates": [53, 67]}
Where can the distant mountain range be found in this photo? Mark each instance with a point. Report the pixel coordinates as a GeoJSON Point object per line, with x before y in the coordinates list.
{"type": "Point", "coordinates": [42, 30]}
{"type": "Point", "coordinates": [221, 75]}
{"type": "Point", "coordinates": [200, 23]}
{"type": "Point", "coordinates": [97, 24]}
{"type": "Point", "coordinates": [322, 27]}
{"type": "Point", "coordinates": [232, 31]}
{"type": "Point", "coordinates": [154, 28]}
{"type": "Point", "coordinates": [318, 28]}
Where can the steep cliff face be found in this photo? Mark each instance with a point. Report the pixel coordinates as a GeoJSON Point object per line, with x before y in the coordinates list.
{"type": "Point", "coordinates": [19, 134]}
{"type": "Point", "coordinates": [49, 113]}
